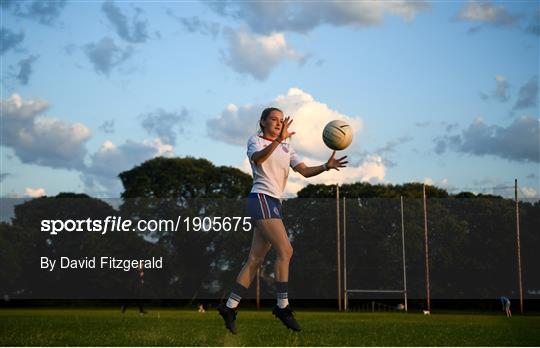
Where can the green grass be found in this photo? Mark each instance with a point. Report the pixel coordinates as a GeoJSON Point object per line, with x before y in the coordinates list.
{"type": "Point", "coordinates": [169, 327]}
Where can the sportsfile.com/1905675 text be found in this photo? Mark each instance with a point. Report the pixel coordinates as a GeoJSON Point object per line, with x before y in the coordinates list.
{"type": "Point", "coordinates": [121, 224]}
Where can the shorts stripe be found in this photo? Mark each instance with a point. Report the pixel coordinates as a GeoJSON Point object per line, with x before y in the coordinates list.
{"type": "Point", "coordinates": [262, 206]}
{"type": "Point", "coordinates": [267, 207]}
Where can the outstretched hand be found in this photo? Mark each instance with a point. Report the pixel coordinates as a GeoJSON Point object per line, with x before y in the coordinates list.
{"type": "Point", "coordinates": [336, 163]}
{"type": "Point", "coordinates": [284, 134]}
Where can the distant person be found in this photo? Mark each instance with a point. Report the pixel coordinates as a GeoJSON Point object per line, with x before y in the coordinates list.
{"type": "Point", "coordinates": [506, 305]}
{"type": "Point", "coordinates": [271, 155]}
{"type": "Point", "coordinates": [139, 285]}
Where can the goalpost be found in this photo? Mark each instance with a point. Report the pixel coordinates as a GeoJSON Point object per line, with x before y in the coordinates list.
{"type": "Point", "coordinates": [347, 291]}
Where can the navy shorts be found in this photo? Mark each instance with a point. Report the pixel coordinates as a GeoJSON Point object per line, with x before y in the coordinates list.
{"type": "Point", "coordinates": [261, 206]}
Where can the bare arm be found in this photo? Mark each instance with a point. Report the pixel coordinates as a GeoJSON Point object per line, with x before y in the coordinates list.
{"type": "Point", "coordinates": [309, 171]}
{"type": "Point", "coordinates": [332, 163]}
{"type": "Point", "coordinates": [262, 155]}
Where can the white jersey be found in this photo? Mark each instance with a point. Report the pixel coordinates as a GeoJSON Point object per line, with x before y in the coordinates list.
{"type": "Point", "coordinates": [270, 177]}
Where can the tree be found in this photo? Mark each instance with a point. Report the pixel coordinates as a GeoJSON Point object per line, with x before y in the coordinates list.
{"type": "Point", "coordinates": [168, 188]}
{"type": "Point", "coordinates": [184, 178]}
{"type": "Point", "coordinates": [29, 243]}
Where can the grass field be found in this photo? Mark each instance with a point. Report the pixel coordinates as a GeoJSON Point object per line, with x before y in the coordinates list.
{"type": "Point", "coordinates": [169, 327]}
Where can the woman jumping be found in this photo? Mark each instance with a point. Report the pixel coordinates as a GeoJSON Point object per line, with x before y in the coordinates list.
{"type": "Point", "coordinates": [270, 158]}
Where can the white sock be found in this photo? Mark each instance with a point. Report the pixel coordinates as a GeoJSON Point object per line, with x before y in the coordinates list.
{"type": "Point", "coordinates": [282, 302]}
{"type": "Point", "coordinates": [232, 303]}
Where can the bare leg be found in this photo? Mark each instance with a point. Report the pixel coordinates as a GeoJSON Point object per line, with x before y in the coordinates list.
{"type": "Point", "coordinates": [274, 231]}
{"type": "Point", "coordinates": [259, 248]}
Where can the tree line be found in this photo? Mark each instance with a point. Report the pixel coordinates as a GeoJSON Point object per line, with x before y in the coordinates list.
{"type": "Point", "coordinates": [471, 239]}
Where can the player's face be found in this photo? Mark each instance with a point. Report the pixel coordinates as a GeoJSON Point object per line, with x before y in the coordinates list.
{"type": "Point", "coordinates": [273, 123]}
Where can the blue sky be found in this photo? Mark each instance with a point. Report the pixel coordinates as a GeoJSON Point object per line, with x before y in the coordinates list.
{"type": "Point", "coordinates": [438, 92]}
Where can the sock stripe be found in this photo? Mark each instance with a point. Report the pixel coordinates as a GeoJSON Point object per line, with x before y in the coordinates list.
{"type": "Point", "coordinates": [282, 295]}
{"type": "Point", "coordinates": [235, 297]}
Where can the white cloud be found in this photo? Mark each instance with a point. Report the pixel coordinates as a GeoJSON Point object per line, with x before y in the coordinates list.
{"type": "Point", "coordinates": [23, 109]}
{"type": "Point", "coordinates": [44, 12]}
{"type": "Point", "coordinates": [518, 141]}
{"type": "Point", "coordinates": [245, 166]}
{"type": "Point", "coordinates": [485, 12]}
{"type": "Point", "coordinates": [105, 55]}
{"type": "Point", "coordinates": [101, 176]}
{"type": "Point", "coordinates": [528, 94]}
{"type": "Point", "coordinates": [294, 184]}
{"type": "Point", "coordinates": [502, 87]}
{"type": "Point", "coordinates": [428, 181]}
{"type": "Point", "coordinates": [310, 117]}
{"type": "Point", "coordinates": [443, 183]}
{"type": "Point", "coordinates": [372, 170]}
{"type": "Point", "coordinates": [41, 139]}
{"type": "Point", "coordinates": [237, 123]}
{"type": "Point", "coordinates": [48, 141]}
{"type": "Point", "coordinates": [269, 17]}
{"type": "Point", "coordinates": [164, 124]}
{"type": "Point", "coordinates": [257, 55]}
{"type": "Point", "coordinates": [107, 146]}
{"type": "Point", "coordinates": [501, 187]}
{"type": "Point", "coordinates": [134, 32]}
{"type": "Point", "coordinates": [364, 13]}
{"type": "Point", "coordinates": [10, 39]}
{"type": "Point", "coordinates": [529, 192]}
{"type": "Point", "coordinates": [161, 148]}
{"type": "Point", "coordinates": [34, 193]}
